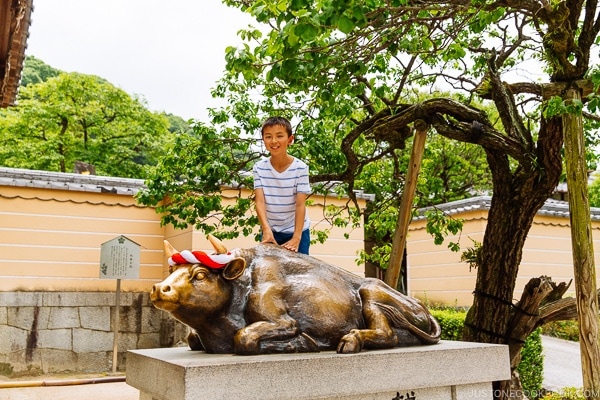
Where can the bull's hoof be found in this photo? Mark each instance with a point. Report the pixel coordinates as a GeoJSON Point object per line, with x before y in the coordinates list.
{"type": "Point", "coordinates": [193, 340]}
{"type": "Point", "coordinates": [245, 343]}
{"type": "Point", "coordinates": [350, 343]}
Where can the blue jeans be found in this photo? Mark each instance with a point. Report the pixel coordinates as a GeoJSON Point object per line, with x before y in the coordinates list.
{"type": "Point", "coordinates": [281, 238]}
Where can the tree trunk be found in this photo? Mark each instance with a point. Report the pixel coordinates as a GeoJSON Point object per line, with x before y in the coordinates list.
{"type": "Point", "coordinates": [583, 251]}
{"type": "Point", "coordinates": [487, 320]}
{"type": "Point", "coordinates": [517, 197]}
{"type": "Point", "coordinates": [525, 316]}
{"type": "Point", "coordinates": [540, 302]}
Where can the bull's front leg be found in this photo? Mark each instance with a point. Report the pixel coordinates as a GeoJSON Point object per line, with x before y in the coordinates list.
{"type": "Point", "coordinates": [267, 312]}
{"type": "Point", "coordinates": [265, 337]}
{"type": "Point", "coordinates": [193, 340]}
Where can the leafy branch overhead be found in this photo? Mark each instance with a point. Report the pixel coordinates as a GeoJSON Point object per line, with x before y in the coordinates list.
{"type": "Point", "coordinates": [354, 76]}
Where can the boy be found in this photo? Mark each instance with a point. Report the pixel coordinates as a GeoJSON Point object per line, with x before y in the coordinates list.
{"type": "Point", "coordinates": [281, 187]}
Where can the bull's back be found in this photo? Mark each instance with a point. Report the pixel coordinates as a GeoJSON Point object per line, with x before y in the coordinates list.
{"type": "Point", "coordinates": [296, 263]}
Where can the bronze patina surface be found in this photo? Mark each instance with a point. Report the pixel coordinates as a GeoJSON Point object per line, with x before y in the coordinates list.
{"type": "Point", "coordinates": [271, 300]}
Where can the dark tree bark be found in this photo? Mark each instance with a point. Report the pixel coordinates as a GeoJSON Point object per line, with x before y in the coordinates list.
{"type": "Point", "coordinates": [516, 199]}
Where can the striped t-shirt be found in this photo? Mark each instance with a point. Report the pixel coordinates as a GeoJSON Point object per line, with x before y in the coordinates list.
{"type": "Point", "coordinates": [280, 190]}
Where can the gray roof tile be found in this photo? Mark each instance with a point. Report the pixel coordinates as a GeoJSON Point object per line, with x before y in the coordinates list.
{"type": "Point", "coordinates": [552, 207]}
{"type": "Point", "coordinates": [69, 181]}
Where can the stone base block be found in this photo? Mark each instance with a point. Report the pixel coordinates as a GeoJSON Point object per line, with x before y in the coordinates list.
{"type": "Point", "coordinates": [447, 370]}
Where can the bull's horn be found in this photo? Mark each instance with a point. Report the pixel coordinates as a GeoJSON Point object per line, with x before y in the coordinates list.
{"type": "Point", "coordinates": [217, 244]}
{"type": "Point", "coordinates": [169, 249]}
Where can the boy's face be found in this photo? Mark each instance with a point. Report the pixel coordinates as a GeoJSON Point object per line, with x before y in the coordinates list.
{"type": "Point", "coordinates": [276, 139]}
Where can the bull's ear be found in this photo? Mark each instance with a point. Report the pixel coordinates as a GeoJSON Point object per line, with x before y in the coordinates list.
{"type": "Point", "coordinates": [234, 269]}
{"type": "Point", "coordinates": [169, 249]}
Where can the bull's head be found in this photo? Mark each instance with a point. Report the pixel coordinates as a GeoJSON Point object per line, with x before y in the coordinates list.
{"type": "Point", "coordinates": [198, 282]}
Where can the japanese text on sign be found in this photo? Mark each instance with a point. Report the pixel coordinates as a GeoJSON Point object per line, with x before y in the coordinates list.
{"type": "Point", "coordinates": [120, 259]}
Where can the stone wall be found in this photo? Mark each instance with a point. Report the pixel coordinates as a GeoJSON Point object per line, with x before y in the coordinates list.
{"type": "Point", "coordinates": [57, 332]}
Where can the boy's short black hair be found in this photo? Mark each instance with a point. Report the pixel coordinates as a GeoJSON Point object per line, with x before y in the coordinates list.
{"type": "Point", "coordinates": [277, 120]}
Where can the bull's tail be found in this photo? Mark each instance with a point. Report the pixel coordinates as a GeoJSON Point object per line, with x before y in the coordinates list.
{"type": "Point", "coordinates": [398, 320]}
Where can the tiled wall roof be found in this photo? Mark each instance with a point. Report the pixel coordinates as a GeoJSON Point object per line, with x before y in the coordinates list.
{"type": "Point", "coordinates": [69, 181]}
{"type": "Point", "coordinates": [127, 186]}
{"type": "Point", "coordinates": [552, 207]}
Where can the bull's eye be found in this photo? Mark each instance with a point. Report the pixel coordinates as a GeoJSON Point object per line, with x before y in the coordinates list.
{"type": "Point", "coordinates": [199, 275]}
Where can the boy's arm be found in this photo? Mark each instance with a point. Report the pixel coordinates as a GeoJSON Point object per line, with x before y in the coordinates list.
{"type": "Point", "coordinates": [261, 212]}
{"type": "Point", "coordinates": [300, 214]}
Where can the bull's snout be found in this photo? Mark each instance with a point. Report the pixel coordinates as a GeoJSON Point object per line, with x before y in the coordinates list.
{"type": "Point", "coordinates": [159, 290]}
{"type": "Point", "coordinates": [154, 292]}
{"type": "Point", "coordinates": [163, 296]}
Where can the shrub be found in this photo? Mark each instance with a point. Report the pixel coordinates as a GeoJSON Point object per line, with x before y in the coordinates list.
{"type": "Point", "coordinates": [531, 366]}
{"type": "Point", "coordinates": [568, 330]}
{"type": "Point", "coordinates": [569, 393]}
{"type": "Point", "coordinates": [451, 321]}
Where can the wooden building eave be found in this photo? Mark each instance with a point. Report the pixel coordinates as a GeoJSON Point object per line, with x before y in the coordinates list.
{"type": "Point", "coordinates": [15, 18]}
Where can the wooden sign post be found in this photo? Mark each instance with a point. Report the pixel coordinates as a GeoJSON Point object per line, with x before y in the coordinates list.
{"type": "Point", "coordinates": [119, 259]}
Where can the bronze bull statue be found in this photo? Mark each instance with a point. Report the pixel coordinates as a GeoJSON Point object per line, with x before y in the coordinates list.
{"type": "Point", "coordinates": [267, 299]}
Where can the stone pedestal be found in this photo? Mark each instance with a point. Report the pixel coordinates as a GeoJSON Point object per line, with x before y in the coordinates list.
{"type": "Point", "coordinates": [448, 370]}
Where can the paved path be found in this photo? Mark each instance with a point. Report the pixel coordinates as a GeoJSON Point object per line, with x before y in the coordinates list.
{"type": "Point", "coordinates": [562, 368]}
{"type": "Point", "coordinates": [562, 364]}
{"type": "Point", "coordinates": [98, 391]}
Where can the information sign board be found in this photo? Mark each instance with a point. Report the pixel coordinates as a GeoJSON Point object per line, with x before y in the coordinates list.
{"type": "Point", "coordinates": [120, 259]}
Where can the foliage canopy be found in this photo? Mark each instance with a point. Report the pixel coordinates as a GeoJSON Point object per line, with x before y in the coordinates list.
{"type": "Point", "coordinates": [61, 118]}
{"type": "Point", "coordinates": [355, 75]}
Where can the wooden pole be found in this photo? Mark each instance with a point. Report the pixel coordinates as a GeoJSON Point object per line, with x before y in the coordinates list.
{"type": "Point", "coordinates": [392, 274]}
{"type": "Point", "coordinates": [583, 249]}
{"type": "Point", "coordinates": [116, 327]}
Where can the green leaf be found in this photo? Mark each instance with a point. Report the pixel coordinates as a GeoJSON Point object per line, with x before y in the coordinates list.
{"type": "Point", "coordinates": [554, 106]}
{"type": "Point", "coordinates": [306, 32]}
{"type": "Point", "coordinates": [593, 103]}
{"type": "Point", "coordinates": [299, 5]}
{"type": "Point", "coordinates": [454, 52]}
{"type": "Point", "coordinates": [345, 24]}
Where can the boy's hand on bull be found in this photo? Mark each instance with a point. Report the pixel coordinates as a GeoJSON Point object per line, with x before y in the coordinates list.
{"type": "Point", "coordinates": [267, 237]}
{"type": "Point", "coordinates": [292, 245]}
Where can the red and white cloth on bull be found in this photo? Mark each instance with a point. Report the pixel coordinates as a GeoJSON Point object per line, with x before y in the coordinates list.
{"type": "Point", "coordinates": [215, 261]}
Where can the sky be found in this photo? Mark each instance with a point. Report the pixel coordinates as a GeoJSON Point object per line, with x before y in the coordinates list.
{"type": "Point", "coordinates": [171, 53]}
